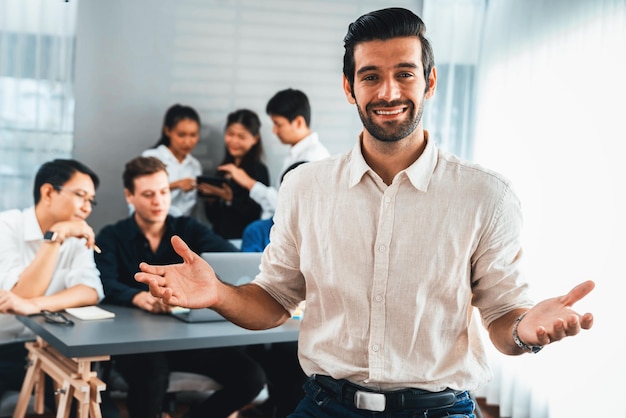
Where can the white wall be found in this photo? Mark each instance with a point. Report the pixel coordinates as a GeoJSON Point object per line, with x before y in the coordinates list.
{"type": "Point", "coordinates": [136, 58]}
{"type": "Point", "coordinates": [550, 118]}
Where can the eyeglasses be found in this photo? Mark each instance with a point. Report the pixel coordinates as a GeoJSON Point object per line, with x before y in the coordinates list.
{"type": "Point", "coordinates": [56, 318]}
{"type": "Point", "coordinates": [80, 194]}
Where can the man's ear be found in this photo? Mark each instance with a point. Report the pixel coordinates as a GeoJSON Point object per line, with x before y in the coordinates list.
{"type": "Point", "coordinates": [298, 121]}
{"type": "Point", "coordinates": [45, 191]}
{"type": "Point", "coordinates": [128, 195]}
{"type": "Point", "coordinates": [348, 91]}
{"type": "Point", "coordinates": [432, 83]}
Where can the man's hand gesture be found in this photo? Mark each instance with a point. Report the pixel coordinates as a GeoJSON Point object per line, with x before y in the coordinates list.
{"type": "Point", "coordinates": [554, 319]}
{"type": "Point", "coordinates": [191, 284]}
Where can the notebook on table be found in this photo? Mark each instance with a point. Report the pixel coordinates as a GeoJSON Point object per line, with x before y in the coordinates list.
{"type": "Point", "coordinates": [232, 268]}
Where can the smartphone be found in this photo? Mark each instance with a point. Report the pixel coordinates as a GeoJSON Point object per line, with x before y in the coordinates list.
{"type": "Point", "coordinates": [212, 180]}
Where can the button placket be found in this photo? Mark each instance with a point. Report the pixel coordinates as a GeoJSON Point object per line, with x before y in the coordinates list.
{"type": "Point", "coordinates": [380, 280]}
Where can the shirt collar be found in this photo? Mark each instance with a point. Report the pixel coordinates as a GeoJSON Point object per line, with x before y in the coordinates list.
{"type": "Point", "coordinates": [419, 173]}
{"type": "Point", "coordinates": [358, 166]}
{"type": "Point", "coordinates": [134, 230]}
{"type": "Point", "coordinates": [173, 158]}
{"type": "Point", "coordinates": [303, 143]}
{"type": "Point", "coordinates": [32, 230]}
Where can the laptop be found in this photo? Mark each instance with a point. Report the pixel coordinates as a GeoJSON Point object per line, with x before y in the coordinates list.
{"type": "Point", "coordinates": [232, 268]}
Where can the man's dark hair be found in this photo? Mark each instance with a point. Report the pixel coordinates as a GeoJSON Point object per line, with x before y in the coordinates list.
{"type": "Point", "coordinates": [58, 172]}
{"type": "Point", "coordinates": [290, 104]}
{"type": "Point", "coordinates": [141, 166]}
{"type": "Point", "coordinates": [385, 24]}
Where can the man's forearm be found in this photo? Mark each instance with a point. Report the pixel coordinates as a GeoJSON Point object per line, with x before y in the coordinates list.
{"type": "Point", "coordinates": [36, 277]}
{"type": "Point", "coordinates": [266, 197]}
{"type": "Point", "coordinates": [79, 295]}
{"type": "Point", "coordinates": [251, 307]}
{"type": "Point", "coordinates": [501, 333]}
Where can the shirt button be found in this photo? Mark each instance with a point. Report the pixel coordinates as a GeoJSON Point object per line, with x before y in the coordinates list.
{"type": "Point", "coordinates": [387, 199]}
{"type": "Point", "coordinates": [375, 348]}
{"type": "Point", "coordinates": [382, 248]}
{"type": "Point", "coordinates": [378, 298]}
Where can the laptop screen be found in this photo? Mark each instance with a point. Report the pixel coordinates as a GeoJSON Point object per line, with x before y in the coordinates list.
{"type": "Point", "coordinates": [234, 268]}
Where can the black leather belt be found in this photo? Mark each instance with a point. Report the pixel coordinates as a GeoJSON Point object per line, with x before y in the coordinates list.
{"type": "Point", "coordinates": [365, 398]}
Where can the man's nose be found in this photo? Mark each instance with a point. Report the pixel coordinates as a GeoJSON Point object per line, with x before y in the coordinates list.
{"type": "Point", "coordinates": [87, 207]}
{"type": "Point", "coordinates": [389, 90]}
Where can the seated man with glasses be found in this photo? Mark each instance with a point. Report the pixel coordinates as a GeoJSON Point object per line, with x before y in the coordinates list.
{"type": "Point", "coordinates": [46, 259]}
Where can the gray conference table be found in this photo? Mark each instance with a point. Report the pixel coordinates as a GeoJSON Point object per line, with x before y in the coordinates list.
{"type": "Point", "coordinates": [66, 353]}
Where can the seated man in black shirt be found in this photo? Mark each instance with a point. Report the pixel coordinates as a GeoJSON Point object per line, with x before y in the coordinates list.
{"type": "Point", "coordinates": [145, 236]}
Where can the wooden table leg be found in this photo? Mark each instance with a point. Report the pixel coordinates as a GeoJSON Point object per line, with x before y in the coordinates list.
{"type": "Point", "coordinates": [74, 377]}
{"type": "Point", "coordinates": [95, 397]}
{"type": "Point", "coordinates": [64, 404]}
{"type": "Point", "coordinates": [40, 386]}
{"type": "Point", "coordinates": [34, 367]}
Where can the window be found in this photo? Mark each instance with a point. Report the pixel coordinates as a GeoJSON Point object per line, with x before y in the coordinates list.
{"type": "Point", "coordinates": [36, 95]}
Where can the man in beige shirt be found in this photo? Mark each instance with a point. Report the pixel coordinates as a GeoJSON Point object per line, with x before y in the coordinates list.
{"type": "Point", "coordinates": [392, 245]}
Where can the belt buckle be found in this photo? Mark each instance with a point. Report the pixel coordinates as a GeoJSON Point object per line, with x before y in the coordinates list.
{"type": "Point", "coordinates": [370, 401]}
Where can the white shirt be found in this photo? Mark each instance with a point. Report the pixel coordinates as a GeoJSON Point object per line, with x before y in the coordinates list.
{"type": "Point", "coordinates": [182, 202]}
{"type": "Point", "coordinates": [21, 238]}
{"type": "Point", "coordinates": [390, 273]}
{"type": "Point", "coordinates": [308, 149]}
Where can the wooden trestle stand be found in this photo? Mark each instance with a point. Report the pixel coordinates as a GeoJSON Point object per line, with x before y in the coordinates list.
{"type": "Point", "coordinates": [73, 379]}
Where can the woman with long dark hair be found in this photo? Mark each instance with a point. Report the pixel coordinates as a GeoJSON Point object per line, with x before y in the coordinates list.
{"type": "Point", "coordinates": [179, 135]}
{"type": "Point", "coordinates": [229, 207]}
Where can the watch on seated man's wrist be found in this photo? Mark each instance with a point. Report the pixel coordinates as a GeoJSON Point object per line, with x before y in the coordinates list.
{"type": "Point", "coordinates": [521, 344]}
{"type": "Point", "coordinates": [51, 236]}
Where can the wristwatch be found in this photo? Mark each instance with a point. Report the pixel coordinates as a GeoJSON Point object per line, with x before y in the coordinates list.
{"type": "Point", "coordinates": [521, 344]}
{"type": "Point", "coordinates": [50, 236]}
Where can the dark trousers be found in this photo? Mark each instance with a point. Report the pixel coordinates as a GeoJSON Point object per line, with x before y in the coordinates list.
{"type": "Point", "coordinates": [13, 358]}
{"type": "Point", "coordinates": [12, 366]}
{"type": "Point", "coordinates": [147, 376]}
{"type": "Point", "coordinates": [319, 404]}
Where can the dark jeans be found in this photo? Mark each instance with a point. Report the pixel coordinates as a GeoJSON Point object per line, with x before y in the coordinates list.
{"type": "Point", "coordinates": [12, 366]}
{"type": "Point", "coordinates": [284, 374]}
{"type": "Point", "coordinates": [318, 404]}
{"type": "Point", "coordinates": [147, 376]}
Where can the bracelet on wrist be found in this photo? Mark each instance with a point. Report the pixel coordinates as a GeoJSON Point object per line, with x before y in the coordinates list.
{"type": "Point", "coordinates": [521, 344]}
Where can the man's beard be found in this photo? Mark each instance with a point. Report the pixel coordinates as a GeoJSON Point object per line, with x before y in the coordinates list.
{"type": "Point", "coordinates": [391, 131]}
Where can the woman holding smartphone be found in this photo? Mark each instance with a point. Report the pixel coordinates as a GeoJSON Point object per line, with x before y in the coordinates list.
{"type": "Point", "coordinates": [228, 206]}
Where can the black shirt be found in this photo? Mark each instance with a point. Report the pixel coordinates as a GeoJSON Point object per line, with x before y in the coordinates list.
{"type": "Point", "coordinates": [229, 220]}
{"type": "Point", "coordinates": [124, 246]}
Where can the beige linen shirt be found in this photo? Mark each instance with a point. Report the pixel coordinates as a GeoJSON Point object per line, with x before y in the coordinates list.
{"type": "Point", "coordinates": [390, 273]}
